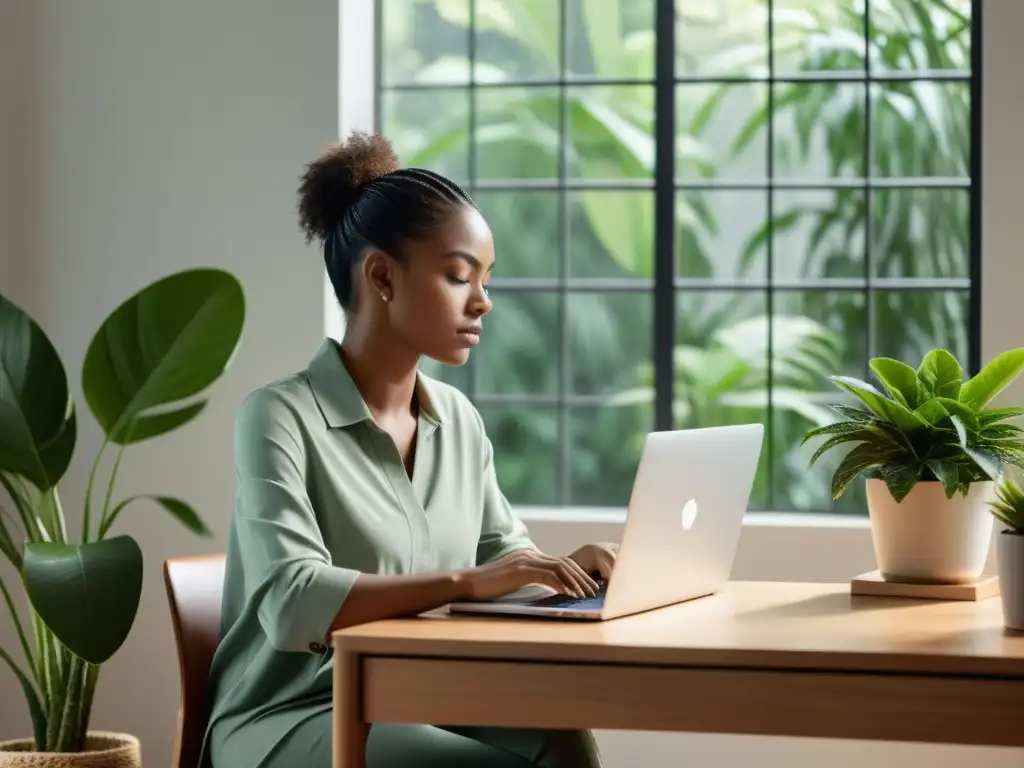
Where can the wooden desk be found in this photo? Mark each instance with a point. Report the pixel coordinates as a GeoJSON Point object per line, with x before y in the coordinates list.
{"type": "Point", "coordinates": [759, 658]}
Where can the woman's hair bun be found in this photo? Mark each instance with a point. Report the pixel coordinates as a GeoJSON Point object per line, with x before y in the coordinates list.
{"type": "Point", "coordinates": [331, 183]}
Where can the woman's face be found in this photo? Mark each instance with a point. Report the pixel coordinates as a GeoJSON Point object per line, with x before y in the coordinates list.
{"type": "Point", "coordinates": [438, 295]}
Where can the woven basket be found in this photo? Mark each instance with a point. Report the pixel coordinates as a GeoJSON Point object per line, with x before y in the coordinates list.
{"type": "Point", "coordinates": [102, 750]}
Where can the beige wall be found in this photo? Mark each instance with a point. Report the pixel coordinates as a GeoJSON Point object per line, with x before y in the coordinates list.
{"type": "Point", "coordinates": [143, 136]}
{"type": "Point", "coordinates": [152, 136]}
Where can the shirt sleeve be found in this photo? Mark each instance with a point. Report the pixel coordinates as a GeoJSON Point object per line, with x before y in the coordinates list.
{"type": "Point", "coordinates": [501, 532]}
{"type": "Point", "coordinates": [287, 566]}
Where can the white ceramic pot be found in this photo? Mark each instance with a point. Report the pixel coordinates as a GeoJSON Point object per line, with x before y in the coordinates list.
{"type": "Point", "coordinates": [1010, 556]}
{"type": "Point", "coordinates": [927, 538]}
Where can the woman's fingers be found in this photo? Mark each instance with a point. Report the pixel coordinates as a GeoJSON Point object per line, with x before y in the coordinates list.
{"type": "Point", "coordinates": [581, 575]}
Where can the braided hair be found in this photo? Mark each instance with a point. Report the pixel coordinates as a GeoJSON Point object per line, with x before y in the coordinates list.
{"type": "Point", "coordinates": [356, 196]}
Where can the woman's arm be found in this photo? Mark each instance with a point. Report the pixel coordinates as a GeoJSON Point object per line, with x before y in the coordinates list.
{"type": "Point", "coordinates": [372, 597]}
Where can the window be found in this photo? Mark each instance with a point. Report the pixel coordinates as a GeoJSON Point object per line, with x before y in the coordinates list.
{"type": "Point", "coordinates": [702, 209]}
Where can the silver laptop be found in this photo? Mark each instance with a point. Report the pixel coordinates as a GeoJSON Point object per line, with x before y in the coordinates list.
{"type": "Point", "coordinates": [682, 529]}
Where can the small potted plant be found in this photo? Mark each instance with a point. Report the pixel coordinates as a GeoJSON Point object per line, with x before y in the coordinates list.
{"type": "Point", "coordinates": [143, 376]}
{"type": "Point", "coordinates": [1008, 508]}
{"type": "Point", "coordinates": [931, 450]}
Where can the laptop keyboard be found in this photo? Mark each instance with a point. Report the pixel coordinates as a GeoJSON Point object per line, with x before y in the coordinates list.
{"type": "Point", "coordinates": [580, 603]}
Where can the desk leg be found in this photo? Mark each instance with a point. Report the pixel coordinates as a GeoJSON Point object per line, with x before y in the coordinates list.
{"type": "Point", "coordinates": [350, 731]}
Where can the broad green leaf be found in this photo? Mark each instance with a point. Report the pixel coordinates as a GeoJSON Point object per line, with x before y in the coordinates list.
{"type": "Point", "coordinates": [839, 428]}
{"type": "Point", "coordinates": [941, 374]}
{"type": "Point", "coordinates": [37, 416]}
{"type": "Point", "coordinates": [87, 595]}
{"type": "Point", "coordinates": [863, 435]}
{"type": "Point", "coordinates": [992, 379]}
{"type": "Point", "coordinates": [961, 431]}
{"type": "Point", "coordinates": [602, 22]}
{"type": "Point", "coordinates": [864, 456]}
{"type": "Point", "coordinates": [947, 474]}
{"type": "Point", "coordinates": [900, 480]}
{"type": "Point", "coordinates": [854, 413]}
{"type": "Point", "coordinates": [932, 411]}
{"type": "Point", "coordinates": [35, 706]}
{"type": "Point", "coordinates": [987, 463]}
{"type": "Point", "coordinates": [1000, 414]}
{"type": "Point", "coordinates": [887, 409]}
{"type": "Point", "coordinates": [899, 379]}
{"type": "Point", "coordinates": [176, 508]}
{"type": "Point", "coordinates": [961, 411]}
{"type": "Point", "coordinates": [622, 223]}
{"type": "Point", "coordinates": [165, 344]}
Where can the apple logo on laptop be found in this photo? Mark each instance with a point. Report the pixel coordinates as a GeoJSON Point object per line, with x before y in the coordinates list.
{"type": "Point", "coordinates": [689, 514]}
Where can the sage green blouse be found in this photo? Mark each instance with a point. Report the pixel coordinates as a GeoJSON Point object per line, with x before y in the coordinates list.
{"type": "Point", "coordinates": [321, 496]}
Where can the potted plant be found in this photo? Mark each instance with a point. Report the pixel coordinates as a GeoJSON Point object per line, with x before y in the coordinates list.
{"type": "Point", "coordinates": [1008, 508]}
{"type": "Point", "coordinates": [143, 376]}
{"type": "Point", "coordinates": [931, 450]}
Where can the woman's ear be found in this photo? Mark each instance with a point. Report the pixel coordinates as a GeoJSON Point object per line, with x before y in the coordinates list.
{"type": "Point", "coordinates": [377, 270]}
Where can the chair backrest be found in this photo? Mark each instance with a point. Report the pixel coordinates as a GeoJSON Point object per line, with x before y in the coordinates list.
{"type": "Point", "coordinates": [194, 586]}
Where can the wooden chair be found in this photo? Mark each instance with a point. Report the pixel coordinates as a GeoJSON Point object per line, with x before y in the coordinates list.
{"type": "Point", "coordinates": [194, 586]}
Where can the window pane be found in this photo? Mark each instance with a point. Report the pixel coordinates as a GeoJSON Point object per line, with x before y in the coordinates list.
{"type": "Point", "coordinates": [519, 350]}
{"type": "Point", "coordinates": [935, 35]}
{"type": "Point", "coordinates": [818, 233]}
{"type": "Point", "coordinates": [611, 132]}
{"type": "Point", "coordinates": [721, 131]}
{"type": "Point", "coordinates": [525, 230]}
{"type": "Point", "coordinates": [609, 340]}
{"type": "Point", "coordinates": [516, 133]}
{"type": "Point", "coordinates": [721, 365]}
{"type": "Point", "coordinates": [815, 334]}
{"type": "Point", "coordinates": [819, 130]}
{"type": "Point", "coordinates": [722, 234]}
{"type": "Point", "coordinates": [425, 136]}
{"type": "Point", "coordinates": [907, 324]}
{"type": "Point", "coordinates": [424, 41]}
{"type": "Point", "coordinates": [920, 233]}
{"type": "Point", "coordinates": [611, 234]}
{"type": "Point", "coordinates": [721, 37]}
{"type": "Point", "coordinates": [610, 39]}
{"type": "Point", "coordinates": [525, 440]}
{"type": "Point", "coordinates": [818, 35]}
{"type": "Point", "coordinates": [921, 129]}
{"type": "Point", "coordinates": [517, 39]}
{"type": "Point", "coordinates": [604, 451]}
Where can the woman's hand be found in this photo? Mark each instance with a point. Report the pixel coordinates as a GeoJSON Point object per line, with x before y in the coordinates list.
{"type": "Point", "coordinates": [526, 566]}
{"type": "Point", "coordinates": [596, 558]}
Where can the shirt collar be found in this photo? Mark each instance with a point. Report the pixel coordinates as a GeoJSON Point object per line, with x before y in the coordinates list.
{"type": "Point", "coordinates": [339, 399]}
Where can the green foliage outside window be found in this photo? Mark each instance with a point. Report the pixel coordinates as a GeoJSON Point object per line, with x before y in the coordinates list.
{"type": "Point", "coordinates": [822, 159]}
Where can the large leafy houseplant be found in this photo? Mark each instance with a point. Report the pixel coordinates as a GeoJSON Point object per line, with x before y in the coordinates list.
{"type": "Point", "coordinates": [143, 376]}
{"type": "Point", "coordinates": [929, 425]}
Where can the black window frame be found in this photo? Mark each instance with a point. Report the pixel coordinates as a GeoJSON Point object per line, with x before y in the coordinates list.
{"type": "Point", "coordinates": [665, 285]}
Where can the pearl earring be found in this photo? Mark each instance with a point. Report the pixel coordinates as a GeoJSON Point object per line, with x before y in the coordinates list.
{"type": "Point", "coordinates": [383, 296]}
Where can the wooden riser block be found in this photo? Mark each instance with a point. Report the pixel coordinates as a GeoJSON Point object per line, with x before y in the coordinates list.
{"type": "Point", "coordinates": [872, 583]}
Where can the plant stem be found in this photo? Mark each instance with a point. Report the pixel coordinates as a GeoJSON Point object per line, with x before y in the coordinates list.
{"type": "Point", "coordinates": [20, 498]}
{"type": "Point", "coordinates": [69, 735]}
{"type": "Point", "coordinates": [86, 513]}
{"type": "Point", "coordinates": [21, 633]}
{"type": "Point", "coordinates": [110, 492]}
{"type": "Point", "coordinates": [92, 672]}
{"type": "Point", "coordinates": [60, 525]}
{"type": "Point", "coordinates": [57, 663]}
{"type": "Point", "coordinates": [7, 545]}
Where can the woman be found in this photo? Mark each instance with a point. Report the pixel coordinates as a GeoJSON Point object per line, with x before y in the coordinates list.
{"type": "Point", "coordinates": [366, 490]}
